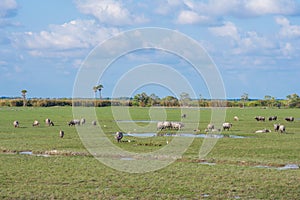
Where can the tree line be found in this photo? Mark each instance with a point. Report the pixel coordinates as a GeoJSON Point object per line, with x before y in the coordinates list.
{"type": "Point", "coordinates": [145, 100]}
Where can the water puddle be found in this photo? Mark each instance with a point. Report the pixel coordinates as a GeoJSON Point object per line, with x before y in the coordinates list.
{"type": "Point", "coordinates": [25, 153]}
{"type": "Point", "coordinates": [207, 163]}
{"type": "Point", "coordinates": [289, 166]}
{"type": "Point", "coordinates": [127, 158]}
{"type": "Point", "coordinates": [140, 134]}
{"type": "Point", "coordinates": [32, 154]}
{"type": "Point", "coordinates": [205, 195]}
{"type": "Point", "coordinates": [285, 167]}
{"type": "Point", "coordinates": [185, 135]}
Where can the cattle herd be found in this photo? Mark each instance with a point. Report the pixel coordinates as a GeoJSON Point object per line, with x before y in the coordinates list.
{"type": "Point", "coordinates": [227, 125]}
{"type": "Point", "coordinates": [169, 125]}
{"type": "Point", "coordinates": [49, 122]}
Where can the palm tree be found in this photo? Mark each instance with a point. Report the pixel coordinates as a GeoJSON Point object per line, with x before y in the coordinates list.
{"type": "Point", "coordinates": [95, 90]}
{"type": "Point", "coordinates": [99, 87]}
{"type": "Point", "coordinates": [24, 96]}
{"type": "Point", "coordinates": [244, 98]}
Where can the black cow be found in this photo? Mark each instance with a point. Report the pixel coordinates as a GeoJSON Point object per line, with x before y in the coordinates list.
{"type": "Point", "coordinates": [259, 118]}
{"type": "Point", "coordinates": [289, 119]}
{"type": "Point", "coordinates": [273, 118]}
{"type": "Point", "coordinates": [119, 136]}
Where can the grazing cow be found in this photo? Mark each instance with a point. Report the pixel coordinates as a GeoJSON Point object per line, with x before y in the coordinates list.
{"type": "Point", "coordinates": [36, 123]}
{"type": "Point", "coordinates": [177, 125]}
{"type": "Point", "coordinates": [61, 134]}
{"type": "Point", "coordinates": [74, 122]}
{"type": "Point", "coordinates": [289, 119]}
{"type": "Point", "coordinates": [273, 118]}
{"type": "Point", "coordinates": [119, 136]}
{"type": "Point", "coordinates": [16, 124]}
{"type": "Point", "coordinates": [94, 123]}
{"type": "Point", "coordinates": [282, 129]}
{"type": "Point", "coordinates": [227, 126]}
{"type": "Point", "coordinates": [160, 125]}
{"type": "Point", "coordinates": [259, 118]}
{"type": "Point", "coordinates": [263, 131]}
{"type": "Point", "coordinates": [210, 127]}
{"type": "Point", "coordinates": [276, 127]}
{"type": "Point", "coordinates": [167, 125]}
{"type": "Point", "coordinates": [49, 122]}
{"type": "Point", "coordinates": [235, 118]}
{"type": "Point", "coordinates": [82, 121]}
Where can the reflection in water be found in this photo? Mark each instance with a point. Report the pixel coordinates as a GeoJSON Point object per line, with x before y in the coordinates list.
{"type": "Point", "coordinates": [184, 135]}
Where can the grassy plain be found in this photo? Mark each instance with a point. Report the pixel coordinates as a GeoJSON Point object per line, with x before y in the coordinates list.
{"type": "Point", "coordinates": [75, 174]}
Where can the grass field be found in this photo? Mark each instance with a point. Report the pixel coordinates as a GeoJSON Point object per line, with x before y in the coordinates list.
{"type": "Point", "coordinates": [236, 168]}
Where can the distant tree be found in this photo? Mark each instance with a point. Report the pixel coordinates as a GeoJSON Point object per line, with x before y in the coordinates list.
{"type": "Point", "coordinates": [244, 98]}
{"type": "Point", "coordinates": [95, 90]}
{"type": "Point", "coordinates": [170, 101]}
{"type": "Point", "coordinates": [141, 100]}
{"type": "Point", "coordinates": [100, 87]}
{"type": "Point", "coordinates": [269, 100]}
{"type": "Point", "coordinates": [185, 99]}
{"type": "Point", "coordinates": [293, 100]}
{"type": "Point", "coordinates": [154, 99]}
{"type": "Point", "coordinates": [24, 96]}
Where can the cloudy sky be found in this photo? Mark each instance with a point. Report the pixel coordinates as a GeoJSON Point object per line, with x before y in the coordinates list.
{"type": "Point", "coordinates": [255, 44]}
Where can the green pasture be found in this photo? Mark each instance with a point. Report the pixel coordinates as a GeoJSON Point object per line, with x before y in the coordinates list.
{"type": "Point", "coordinates": [236, 168]}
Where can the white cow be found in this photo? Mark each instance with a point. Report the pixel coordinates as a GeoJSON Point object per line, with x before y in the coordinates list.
{"type": "Point", "coordinates": [16, 124]}
{"type": "Point", "coordinates": [36, 123]}
{"type": "Point", "coordinates": [227, 126]}
{"type": "Point", "coordinates": [282, 129]}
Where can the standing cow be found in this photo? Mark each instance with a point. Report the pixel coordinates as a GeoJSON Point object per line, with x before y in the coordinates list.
{"type": "Point", "coordinates": [74, 122]}
{"type": "Point", "coordinates": [289, 119]}
{"type": "Point", "coordinates": [210, 127]}
{"type": "Point", "coordinates": [227, 126]}
{"type": "Point", "coordinates": [16, 124]}
{"type": "Point", "coordinates": [82, 121]}
{"type": "Point", "coordinates": [282, 129]}
{"type": "Point", "coordinates": [276, 127]}
{"type": "Point", "coordinates": [49, 122]}
{"type": "Point", "coordinates": [273, 118]}
{"type": "Point", "coordinates": [61, 133]}
{"type": "Point", "coordinates": [36, 123]}
{"type": "Point", "coordinates": [177, 125]}
{"type": "Point", "coordinates": [119, 136]}
{"type": "Point", "coordinates": [259, 118]}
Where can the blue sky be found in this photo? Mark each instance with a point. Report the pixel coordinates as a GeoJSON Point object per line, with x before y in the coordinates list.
{"type": "Point", "coordinates": [255, 44]}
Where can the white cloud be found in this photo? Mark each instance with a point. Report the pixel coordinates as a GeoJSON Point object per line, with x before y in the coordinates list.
{"type": "Point", "coordinates": [191, 17]}
{"type": "Point", "coordinates": [259, 7]}
{"type": "Point", "coordinates": [164, 7]}
{"type": "Point", "coordinates": [7, 8]}
{"type": "Point", "coordinates": [242, 42]}
{"type": "Point", "coordinates": [227, 30]}
{"type": "Point", "coordinates": [287, 49]}
{"type": "Point", "coordinates": [287, 30]}
{"type": "Point", "coordinates": [217, 9]}
{"type": "Point", "coordinates": [246, 8]}
{"type": "Point", "coordinates": [71, 36]}
{"type": "Point", "coordinates": [109, 12]}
